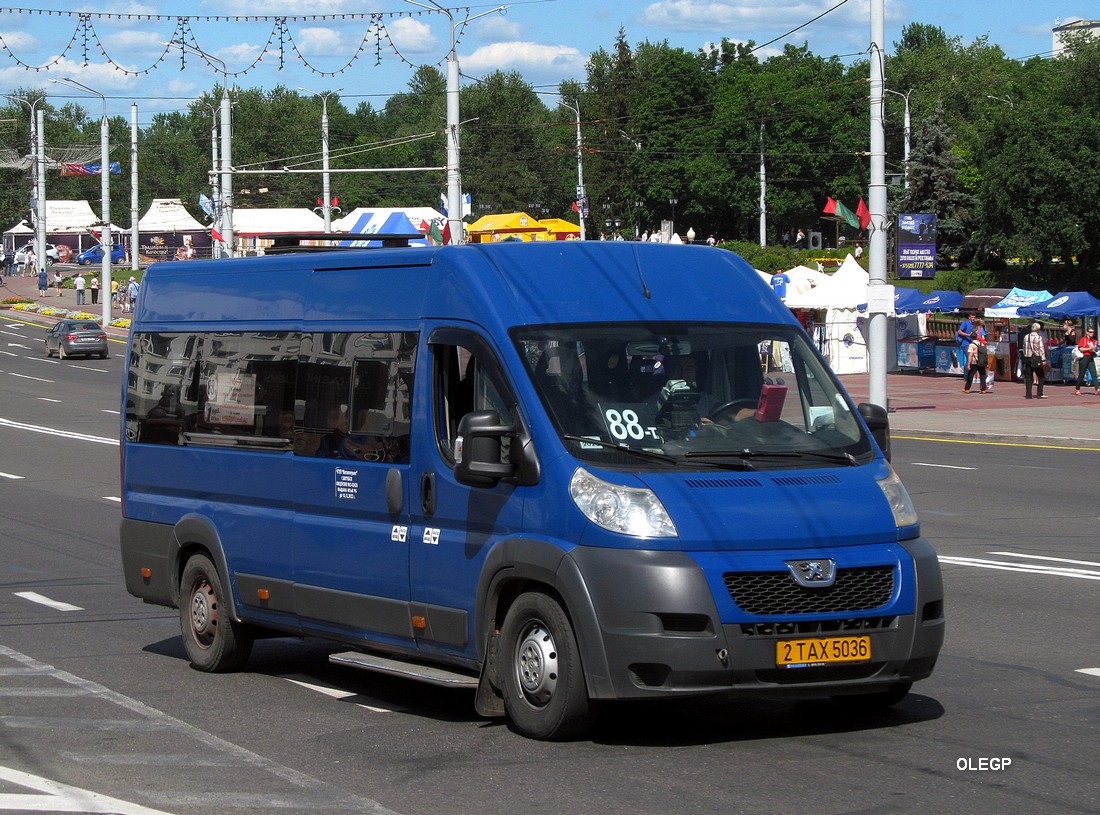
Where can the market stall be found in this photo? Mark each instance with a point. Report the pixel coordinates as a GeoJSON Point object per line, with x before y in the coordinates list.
{"type": "Point", "coordinates": [506, 226]}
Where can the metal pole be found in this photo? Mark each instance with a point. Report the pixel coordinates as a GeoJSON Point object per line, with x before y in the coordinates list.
{"type": "Point", "coordinates": [763, 192]}
{"type": "Point", "coordinates": [227, 167]}
{"type": "Point", "coordinates": [904, 96]}
{"type": "Point", "coordinates": [580, 164]}
{"type": "Point", "coordinates": [40, 184]}
{"type": "Point", "coordinates": [326, 207]}
{"type": "Point", "coordinates": [135, 238]}
{"type": "Point", "coordinates": [876, 331]}
{"type": "Point", "coordinates": [215, 187]}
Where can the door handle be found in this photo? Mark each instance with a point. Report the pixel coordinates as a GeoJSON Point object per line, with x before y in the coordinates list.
{"type": "Point", "coordinates": [427, 494]}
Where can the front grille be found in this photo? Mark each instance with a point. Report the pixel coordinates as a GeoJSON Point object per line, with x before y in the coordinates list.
{"type": "Point", "coordinates": [862, 625]}
{"type": "Point", "coordinates": [772, 593]}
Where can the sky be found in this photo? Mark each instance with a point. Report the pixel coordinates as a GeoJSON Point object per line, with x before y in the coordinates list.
{"type": "Point", "coordinates": [367, 49]}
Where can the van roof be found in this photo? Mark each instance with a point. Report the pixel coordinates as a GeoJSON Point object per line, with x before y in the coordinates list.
{"type": "Point", "coordinates": [503, 284]}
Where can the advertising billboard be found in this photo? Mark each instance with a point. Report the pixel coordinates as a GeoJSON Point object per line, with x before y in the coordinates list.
{"type": "Point", "coordinates": [916, 246]}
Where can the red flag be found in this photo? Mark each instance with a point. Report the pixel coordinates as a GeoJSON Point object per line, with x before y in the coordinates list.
{"type": "Point", "coordinates": [335, 201]}
{"type": "Point", "coordinates": [830, 206]}
{"type": "Point", "coordinates": [863, 214]}
{"type": "Point", "coordinates": [446, 232]}
{"type": "Point", "coordinates": [216, 235]}
{"type": "Point", "coordinates": [575, 207]}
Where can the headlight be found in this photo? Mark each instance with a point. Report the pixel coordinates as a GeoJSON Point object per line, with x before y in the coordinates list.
{"type": "Point", "coordinates": [905, 514]}
{"type": "Point", "coordinates": [628, 510]}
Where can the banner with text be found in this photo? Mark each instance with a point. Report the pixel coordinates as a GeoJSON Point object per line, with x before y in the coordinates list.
{"type": "Point", "coordinates": [917, 246]}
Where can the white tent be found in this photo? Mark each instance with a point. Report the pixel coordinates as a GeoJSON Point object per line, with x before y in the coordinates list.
{"type": "Point", "coordinates": [256, 223]}
{"type": "Point", "coordinates": [421, 217]}
{"type": "Point", "coordinates": [808, 288]}
{"type": "Point", "coordinates": [168, 215]}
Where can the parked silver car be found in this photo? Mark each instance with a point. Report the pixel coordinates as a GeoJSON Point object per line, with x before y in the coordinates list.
{"type": "Point", "coordinates": [77, 337]}
{"type": "Point", "coordinates": [52, 255]}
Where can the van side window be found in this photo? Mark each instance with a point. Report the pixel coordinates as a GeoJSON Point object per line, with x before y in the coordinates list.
{"type": "Point", "coordinates": [354, 396]}
{"type": "Point", "coordinates": [466, 378]}
{"type": "Point", "coordinates": [182, 386]}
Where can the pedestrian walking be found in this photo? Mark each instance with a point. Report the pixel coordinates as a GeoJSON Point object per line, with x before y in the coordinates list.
{"type": "Point", "coordinates": [114, 290]}
{"type": "Point", "coordinates": [132, 289]}
{"type": "Point", "coordinates": [9, 261]}
{"type": "Point", "coordinates": [964, 335]}
{"type": "Point", "coordinates": [1086, 361]}
{"type": "Point", "coordinates": [977, 361]}
{"type": "Point", "coordinates": [43, 283]}
{"type": "Point", "coordinates": [32, 262]}
{"type": "Point", "coordinates": [94, 286]}
{"type": "Point", "coordinates": [81, 286]}
{"type": "Point", "coordinates": [57, 281]}
{"type": "Point", "coordinates": [1033, 362]}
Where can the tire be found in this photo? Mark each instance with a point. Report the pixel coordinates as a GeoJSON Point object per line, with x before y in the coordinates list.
{"type": "Point", "coordinates": [544, 688]}
{"type": "Point", "coordinates": [104, 355]}
{"type": "Point", "coordinates": [213, 641]}
{"type": "Point", "coordinates": [872, 702]}
{"type": "Point", "coordinates": [49, 353]}
{"type": "Point", "coordinates": [61, 352]}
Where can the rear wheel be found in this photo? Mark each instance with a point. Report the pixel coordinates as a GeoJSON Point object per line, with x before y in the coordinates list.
{"type": "Point", "coordinates": [49, 353]}
{"type": "Point", "coordinates": [544, 687]}
{"type": "Point", "coordinates": [213, 641]}
{"type": "Point", "coordinates": [61, 352]}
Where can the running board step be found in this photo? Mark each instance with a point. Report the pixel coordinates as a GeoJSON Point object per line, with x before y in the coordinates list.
{"type": "Point", "coordinates": [431, 674]}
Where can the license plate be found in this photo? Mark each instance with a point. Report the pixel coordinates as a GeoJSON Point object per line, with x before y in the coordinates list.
{"type": "Point", "coordinates": [822, 651]}
{"type": "Point", "coordinates": [86, 339]}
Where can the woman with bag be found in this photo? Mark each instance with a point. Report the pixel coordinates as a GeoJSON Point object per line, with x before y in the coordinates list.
{"type": "Point", "coordinates": [1086, 361]}
{"type": "Point", "coordinates": [1033, 361]}
{"type": "Point", "coordinates": [977, 358]}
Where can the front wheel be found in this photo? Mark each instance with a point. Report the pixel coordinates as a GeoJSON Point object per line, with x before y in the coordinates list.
{"type": "Point", "coordinates": [544, 688]}
{"type": "Point", "coordinates": [213, 641]}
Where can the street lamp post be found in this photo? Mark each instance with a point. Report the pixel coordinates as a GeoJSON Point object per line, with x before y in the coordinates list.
{"type": "Point", "coordinates": [227, 142]}
{"type": "Point", "coordinates": [580, 164]}
{"type": "Point", "coordinates": [454, 174]}
{"type": "Point", "coordinates": [673, 202]}
{"type": "Point", "coordinates": [38, 172]}
{"type": "Point", "coordinates": [106, 238]}
{"type": "Point", "coordinates": [905, 96]}
{"type": "Point", "coordinates": [326, 207]}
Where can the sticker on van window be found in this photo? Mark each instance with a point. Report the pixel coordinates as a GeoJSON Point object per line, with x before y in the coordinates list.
{"type": "Point", "coordinates": [347, 484]}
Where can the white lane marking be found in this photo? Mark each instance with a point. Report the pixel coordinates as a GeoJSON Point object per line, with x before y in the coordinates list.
{"type": "Point", "coordinates": [42, 599]}
{"type": "Point", "coordinates": [48, 399]}
{"type": "Point", "coordinates": [8, 354]}
{"type": "Point", "coordinates": [35, 378]}
{"type": "Point", "coordinates": [1089, 671]}
{"type": "Point", "coordinates": [19, 345]}
{"type": "Point", "coordinates": [106, 410]}
{"type": "Point", "coordinates": [1044, 557]}
{"type": "Point", "coordinates": [13, 334]}
{"type": "Point", "coordinates": [54, 796]}
{"type": "Point", "coordinates": [9, 475]}
{"type": "Point", "coordinates": [333, 691]}
{"type": "Point", "coordinates": [114, 498]}
{"type": "Point", "coordinates": [1006, 566]}
{"type": "Point", "coordinates": [333, 798]}
{"type": "Point", "coordinates": [49, 431]}
{"type": "Point", "coordinates": [941, 466]}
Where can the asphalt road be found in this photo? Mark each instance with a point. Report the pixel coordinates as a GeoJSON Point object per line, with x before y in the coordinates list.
{"type": "Point", "coordinates": [99, 711]}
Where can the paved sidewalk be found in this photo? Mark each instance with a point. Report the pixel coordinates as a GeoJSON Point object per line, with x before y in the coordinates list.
{"type": "Point", "coordinates": [920, 404]}
{"type": "Point", "coordinates": [27, 287]}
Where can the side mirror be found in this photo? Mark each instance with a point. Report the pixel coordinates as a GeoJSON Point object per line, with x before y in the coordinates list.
{"type": "Point", "coordinates": [478, 446]}
{"type": "Point", "coordinates": [878, 423]}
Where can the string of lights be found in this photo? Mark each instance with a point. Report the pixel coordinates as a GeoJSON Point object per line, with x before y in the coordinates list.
{"type": "Point", "coordinates": [281, 42]}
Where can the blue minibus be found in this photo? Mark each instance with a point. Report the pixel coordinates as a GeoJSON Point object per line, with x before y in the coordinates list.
{"type": "Point", "coordinates": [559, 473]}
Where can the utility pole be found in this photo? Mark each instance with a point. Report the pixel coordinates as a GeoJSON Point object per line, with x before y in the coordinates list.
{"type": "Point", "coordinates": [876, 308]}
{"type": "Point", "coordinates": [135, 238]}
{"type": "Point", "coordinates": [454, 174]}
{"type": "Point", "coordinates": [326, 207]}
{"type": "Point", "coordinates": [763, 192]}
{"type": "Point", "coordinates": [580, 164]}
{"type": "Point", "coordinates": [905, 164]}
{"type": "Point", "coordinates": [37, 157]}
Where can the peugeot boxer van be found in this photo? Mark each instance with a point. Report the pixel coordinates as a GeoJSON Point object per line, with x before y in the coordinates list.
{"type": "Point", "coordinates": [561, 473]}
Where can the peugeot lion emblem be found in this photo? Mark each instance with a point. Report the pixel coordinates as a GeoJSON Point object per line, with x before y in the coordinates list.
{"type": "Point", "coordinates": [813, 574]}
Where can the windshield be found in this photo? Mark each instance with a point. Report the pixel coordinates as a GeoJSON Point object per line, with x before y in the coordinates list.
{"type": "Point", "coordinates": [689, 395]}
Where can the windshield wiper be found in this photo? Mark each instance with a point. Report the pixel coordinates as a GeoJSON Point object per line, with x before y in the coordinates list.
{"type": "Point", "coordinates": [840, 458]}
{"type": "Point", "coordinates": [651, 455]}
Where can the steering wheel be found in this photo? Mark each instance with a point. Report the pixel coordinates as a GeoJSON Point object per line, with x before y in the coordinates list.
{"type": "Point", "coordinates": [727, 412]}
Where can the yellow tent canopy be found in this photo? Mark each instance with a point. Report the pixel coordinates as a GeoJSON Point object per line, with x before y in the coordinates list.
{"type": "Point", "coordinates": [495, 228]}
{"type": "Point", "coordinates": [559, 229]}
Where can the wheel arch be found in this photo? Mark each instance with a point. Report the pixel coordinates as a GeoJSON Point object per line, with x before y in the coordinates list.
{"type": "Point", "coordinates": [520, 565]}
{"type": "Point", "coordinates": [196, 534]}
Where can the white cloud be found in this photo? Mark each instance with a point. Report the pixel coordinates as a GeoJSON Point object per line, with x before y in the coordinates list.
{"type": "Point", "coordinates": [412, 36]}
{"type": "Point", "coordinates": [319, 41]}
{"type": "Point", "coordinates": [562, 61]}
